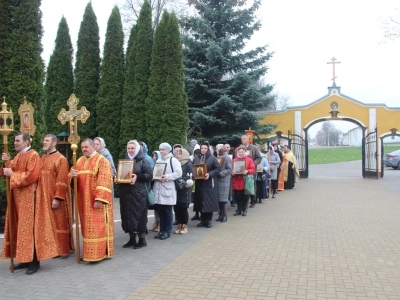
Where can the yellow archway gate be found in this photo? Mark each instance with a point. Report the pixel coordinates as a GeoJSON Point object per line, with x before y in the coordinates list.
{"type": "Point", "coordinates": [376, 121]}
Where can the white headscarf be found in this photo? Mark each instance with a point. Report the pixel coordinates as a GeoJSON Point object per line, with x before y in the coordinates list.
{"type": "Point", "coordinates": [137, 149]}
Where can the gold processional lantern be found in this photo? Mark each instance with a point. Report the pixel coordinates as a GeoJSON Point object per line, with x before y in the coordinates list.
{"type": "Point", "coordinates": [6, 122]}
{"type": "Point", "coordinates": [6, 127]}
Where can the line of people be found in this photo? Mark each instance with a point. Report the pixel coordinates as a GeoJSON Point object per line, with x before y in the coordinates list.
{"type": "Point", "coordinates": [42, 209]}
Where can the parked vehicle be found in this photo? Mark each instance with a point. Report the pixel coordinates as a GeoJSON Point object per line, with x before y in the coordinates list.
{"type": "Point", "coordinates": [392, 159]}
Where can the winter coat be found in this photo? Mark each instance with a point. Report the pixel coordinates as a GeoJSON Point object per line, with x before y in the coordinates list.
{"type": "Point", "coordinates": [206, 191]}
{"type": "Point", "coordinates": [165, 192]}
{"type": "Point", "coordinates": [262, 176]}
{"type": "Point", "coordinates": [274, 160]}
{"type": "Point", "coordinates": [224, 179]}
{"type": "Point", "coordinates": [238, 179]}
{"type": "Point", "coordinates": [106, 153]}
{"type": "Point", "coordinates": [146, 155]}
{"type": "Point", "coordinates": [133, 198]}
{"type": "Point", "coordinates": [185, 195]}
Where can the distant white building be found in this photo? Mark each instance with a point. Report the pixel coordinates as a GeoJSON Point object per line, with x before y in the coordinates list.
{"type": "Point", "coordinates": [354, 136]}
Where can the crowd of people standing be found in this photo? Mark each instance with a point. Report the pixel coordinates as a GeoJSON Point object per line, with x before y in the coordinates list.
{"type": "Point", "coordinates": [199, 175]}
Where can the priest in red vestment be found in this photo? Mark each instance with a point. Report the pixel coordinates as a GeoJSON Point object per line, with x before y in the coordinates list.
{"type": "Point", "coordinates": [95, 203]}
{"type": "Point", "coordinates": [53, 201]}
{"type": "Point", "coordinates": [24, 171]}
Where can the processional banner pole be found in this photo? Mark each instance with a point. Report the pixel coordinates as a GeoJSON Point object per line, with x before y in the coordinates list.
{"type": "Point", "coordinates": [73, 116]}
{"type": "Point", "coordinates": [6, 127]}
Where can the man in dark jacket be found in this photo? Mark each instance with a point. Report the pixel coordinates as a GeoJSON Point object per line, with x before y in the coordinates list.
{"type": "Point", "coordinates": [255, 156]}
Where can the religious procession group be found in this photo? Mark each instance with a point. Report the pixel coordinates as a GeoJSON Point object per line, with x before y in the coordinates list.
{"type": "Point", "coordinates": [39, 221]}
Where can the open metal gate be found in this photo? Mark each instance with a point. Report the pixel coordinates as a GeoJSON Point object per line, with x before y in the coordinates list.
{"type": "Point", "coordinates": [370, 166]}
{"type": "Point", "coordinates": [299, 147]}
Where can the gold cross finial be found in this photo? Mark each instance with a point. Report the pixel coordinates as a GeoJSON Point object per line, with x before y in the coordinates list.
{"type": "Point", "coordinates": [72, 116]}
{"type": "Point", "coordinates": [333, 62]}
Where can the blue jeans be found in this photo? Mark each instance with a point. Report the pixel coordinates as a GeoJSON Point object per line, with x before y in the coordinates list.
{"type": "Point", "coordinates": [166, 218]}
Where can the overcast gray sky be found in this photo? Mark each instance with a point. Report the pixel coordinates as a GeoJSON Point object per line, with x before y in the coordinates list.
{"type": "Point", "coordinates": [304, 35]}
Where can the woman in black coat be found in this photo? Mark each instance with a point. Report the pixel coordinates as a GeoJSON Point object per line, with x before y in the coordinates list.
{"type": "Point", "coordinates": [133, 197]}
{"type": "Point", "coordinates": [184, 196]}
{"type": "Point", "coordinates": [206, 190]}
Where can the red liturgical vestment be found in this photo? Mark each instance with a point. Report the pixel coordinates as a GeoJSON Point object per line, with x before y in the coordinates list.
{"type": "Point", "coordinates": [23, 181]}
{"type": "Point", "coordinates": [55, 223]}
{"type": "Point", "coordinates": [97, 224]}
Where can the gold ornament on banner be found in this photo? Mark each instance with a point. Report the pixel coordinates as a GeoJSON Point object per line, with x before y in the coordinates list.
{"type": "Point", "coordinates": [25, 112]}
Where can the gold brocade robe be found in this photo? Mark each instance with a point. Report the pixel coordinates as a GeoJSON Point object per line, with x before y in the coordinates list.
{"type": "Point", "coordinates": [97, 224]}
{"type": "Point", "coordinates": [55, 235]}
{"type": "Point", "coordinates": [26, 169]}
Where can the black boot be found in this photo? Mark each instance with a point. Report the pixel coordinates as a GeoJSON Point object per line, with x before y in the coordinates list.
{"type": "Point", "coordinates": [131, 242]}
{"type": "Point", "coordinates": [208, 224]}
{"type": "Point", "coordinates": [141, 244]}
{"type": "Point", "coordinates": [219, 219]}
{"type": "Point", "coordinates": [195, 217]}
{"type": "Point", "coordinates": [224, 218]}
{"type": "Point", "coordinates": [33, 266]}
{"type": "Point", "coordinates": [245, 205]}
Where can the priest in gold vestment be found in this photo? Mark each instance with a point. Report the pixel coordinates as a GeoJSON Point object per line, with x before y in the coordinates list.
{"type": "Point", "coordinates": [95, 203]}
{"type": "Point", "coordinates": [54, 201]}
{"type": "Point", "coordinates": [24, 171]}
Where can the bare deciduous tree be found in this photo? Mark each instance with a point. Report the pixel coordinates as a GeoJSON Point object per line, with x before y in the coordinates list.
{"type": "Point", "coordinates": [280, 102]}
{"type": "Point", "coordinates": [392, 26]}
{"type": "Point", "coordinates": [130, 10]}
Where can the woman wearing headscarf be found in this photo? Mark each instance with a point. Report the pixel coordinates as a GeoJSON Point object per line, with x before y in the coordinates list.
{"type": "Point", "coordinates": [100, 147]}
{"type": "Point", "coordinates": [165, 191]}
{"type": "Point", "coordinates": [156, 225]}
{"type": "Point", "coordinates": [274, 163]}
{"type": "Point", "coordinates": [133, 197]}
{"type": "Point", "coordinates": [184, 195]}
{"type": "Point", "coordinates": [224, 182]}
{"type": "Point", "coordinates": [206, 190]}
{"type": "Point", "coordinates": [281, 183]}
{"type": "Point", "coordinates": [238, 181]}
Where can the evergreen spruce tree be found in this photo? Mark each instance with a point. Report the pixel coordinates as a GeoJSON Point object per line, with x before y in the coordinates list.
{"type": "Point", "coordinates": [25, 69]}
{"type": "Point", "coordinates": [143, 48]}
{"type": "Point", "coordinates": [129, 91]}
{"type": "Point", "coordinates": [155, 113]}
{"type": "Point", "coordinates": [60, 78]}
{"type": "Point", "coordinates": [111, 84]}
{"type": "Point", "coordinates": [221, 78]}
{"type": "Point", "coordinates": [87, 70]}
{"type": "Point", "coordinates": [175, 106]}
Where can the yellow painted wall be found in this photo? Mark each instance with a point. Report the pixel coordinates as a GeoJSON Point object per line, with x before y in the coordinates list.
{"type": "Point", "coordinates": [386, 118]}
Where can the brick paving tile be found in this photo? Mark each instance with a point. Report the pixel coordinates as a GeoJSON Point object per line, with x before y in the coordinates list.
{"type": "Point", "coordinates": [329, 238]}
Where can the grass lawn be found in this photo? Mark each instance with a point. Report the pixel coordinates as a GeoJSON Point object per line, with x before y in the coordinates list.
{"type": "Point", "coordinates": [339, 154]}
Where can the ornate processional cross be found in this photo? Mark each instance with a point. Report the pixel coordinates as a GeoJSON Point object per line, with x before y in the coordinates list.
{"type": "Point", "coordinates": [72, 116]}
{"type": "Point", "coordinates": [333, 65]}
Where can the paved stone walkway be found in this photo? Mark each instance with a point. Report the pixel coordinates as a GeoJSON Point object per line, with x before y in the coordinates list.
{"type": "Point", "coordinates": [329, 238]}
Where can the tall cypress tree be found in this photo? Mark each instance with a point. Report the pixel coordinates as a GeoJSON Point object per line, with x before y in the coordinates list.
{"type": "Point", "coordinates": [5, 32]}
{"type": "Point", "coordinates": [175, 105]}
{"type": "Point", "coordinates": [25, 68]}
{"type": "Point", "coordinates": [155, 101]}
{"type": "Point", "coordinates": [143, 48]}
{"type": "Point", "coordinates": [221, 78]}
{"type": "Point", "coordinates": [129, 92]}
{"type": "Point", "coordinates": [60, 78]}
{"type": "Point", "coordinates": [111, 83]}
{"type": "Point", "coordinates": [87, 69]}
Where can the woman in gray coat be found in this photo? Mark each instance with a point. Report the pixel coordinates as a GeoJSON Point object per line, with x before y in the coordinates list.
{"type": "Point", "coordinates": [224, 182]}
{"type": "Point", "coordinates": [274, 162]}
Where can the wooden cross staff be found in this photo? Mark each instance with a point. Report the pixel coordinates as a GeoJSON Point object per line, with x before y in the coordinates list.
{"type": "Point", "coordinates": [73, 116]}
